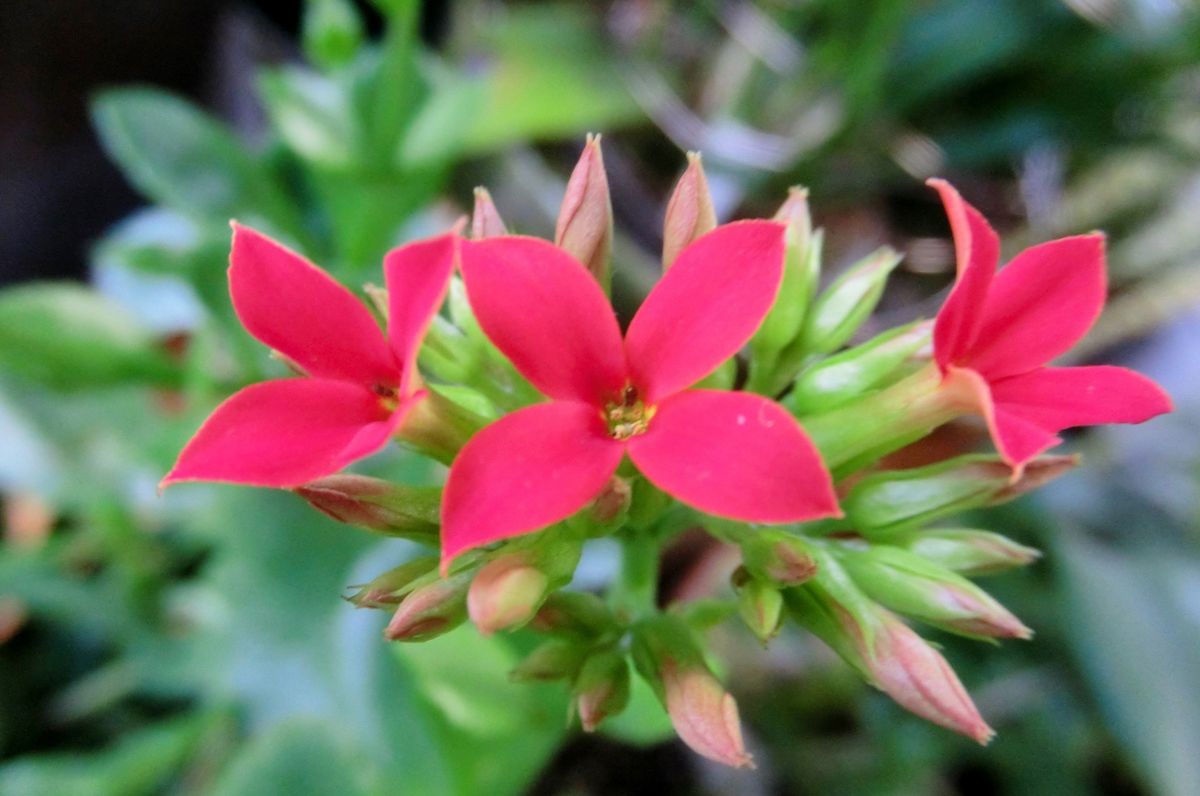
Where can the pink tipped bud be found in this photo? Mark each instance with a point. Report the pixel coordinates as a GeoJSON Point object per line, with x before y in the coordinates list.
{"type": "Point", "coordinates": [919, 678]}
{"type": "Point", "coordinates": [690, 212]}
{"type": "Point", "coordinates": [704, 714]}
{"type": "Point", "coordinates": [377, 505]}
{"type": "Point", "coordinates": [390, 588]}
{"type": "Point", "coordinates": [760, 605]}
{"type": "Point", "coordinates": [506, 593]}
{"type": "Point", "coordinates": [585, 224]}
{"type": "Point", "coordinates": [556, 659]}
{"type": "Point", "coordinates": [485, 220]}
{"type": "Point", "coordinates": [915, 587]}
{"type": "Point", "coordinates": [778, 556]}
{"type": "Point", "coordinates": [602, 688]}
{"type": "Point", "coordinates": [613, 502]}
{"type": "Point", "coordinates": [968, 552]}
{"type": "Point", "coordinates": [795, 213]}
{"type": "Point", "coordinates": [430, 610]}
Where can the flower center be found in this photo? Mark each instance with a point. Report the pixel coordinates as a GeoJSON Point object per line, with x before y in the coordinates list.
{"type": "Point", "coordinates": [628, 416]}
{"type": "Point", "coordinates": [389, 397]}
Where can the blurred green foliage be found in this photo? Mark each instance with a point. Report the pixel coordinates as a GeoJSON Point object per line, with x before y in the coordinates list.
{"type": "Point", "coordinates": [195, 643]}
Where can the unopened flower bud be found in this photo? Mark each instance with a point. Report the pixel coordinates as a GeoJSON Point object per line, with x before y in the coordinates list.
{"type": "Point", "coordinates": [436, 607]}
{"type": "Point", "coordinates": [759, 604]}
{"type": "Point", "coordinates": [900, 499]}
{"type": "Point", "coordinates": [884, 650]}
{"type": "Point", "coordinates": [915, 587]}
{"type": "Point", "coordinates": [390, 588]}
{"type": "Point", "coordinates": [839, 379]}
{"type": "Point", "coordinates": [849, 301]}
{"type": "Point", "coordinates": [801, 270]}
{"type": "Point", "coordinates": [602, 687]}
{"type": "Point", "coordinates": [506, 593]}
{"type": "Point", "coordinates": [967, 551]}
{"type": "Point", "coordinates": [556, 659]}
{"type": "Point", "coordinates": [574, 613]}
{"type": "Point", "coordinates": [705, 716]}
{"type": "Point", "coordinates": [777, 556]}
{"type": "Point", "coordinates": [916, 675]}
{"type": "Point", "coordinates": [393, 509]}
{"type": "Point", "coordinates": [585, 223]}
{"type": "Point", "coordinates": [485, 220]}
{"type": "Point", "coordinates": [438, 426]}
{"type": "Point", "coordinates": [690, 212]}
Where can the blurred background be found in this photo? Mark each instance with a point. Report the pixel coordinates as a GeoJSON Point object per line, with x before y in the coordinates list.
{"type": "Point", "coordinates": [196, 643]}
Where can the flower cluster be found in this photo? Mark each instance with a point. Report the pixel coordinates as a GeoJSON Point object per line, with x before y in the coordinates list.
{"type": "Point", "coordinates": [730, 402]}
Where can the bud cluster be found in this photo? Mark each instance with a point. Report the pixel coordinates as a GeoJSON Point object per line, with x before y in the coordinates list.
{"type": "Point", "coordinates": [779, 421]}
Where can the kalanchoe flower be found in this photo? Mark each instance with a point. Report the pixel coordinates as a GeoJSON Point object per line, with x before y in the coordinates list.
{"type": "Point", "coordinates": [730, 454]}
{"type": "Point", "coordinates": [360, 383]}
{"type": "Point", "coordinates": [993, 338]}
{"type": "Point", "coordinates": [585, 225]}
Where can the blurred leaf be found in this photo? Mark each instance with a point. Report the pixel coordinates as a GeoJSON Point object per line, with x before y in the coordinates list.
{"type": "Point", "coordinates": [141, 762]}
{"type": "Point", "coordinates": [312, 114]}
{"type": "Point", "coordinates": [550, 77]}
{"type": "Point", "coordinates": [1133, 622]}
{"type": "Point", "coordinates": [180, 156]}
{"type": "Point", "coordinates": [66, 336]}
{"type": "Point", "coordinates": [333, 31]}
{"type": "Point", "coordinates": [295, 758]}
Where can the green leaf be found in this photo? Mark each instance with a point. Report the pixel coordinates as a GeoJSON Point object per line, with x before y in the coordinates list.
{"type": "Point", "coordinates": [180, 156]}
{"type": "Point", "coordinates": [303, 756]}
{"type": "Point", "coordinates": [312, 113]}
{"type": "Point", "coordinates": [66, 336]}
{"type": "Point", "coordinates": [1129, 617]}
{"type": "Point", "coordinates": [550, 78]}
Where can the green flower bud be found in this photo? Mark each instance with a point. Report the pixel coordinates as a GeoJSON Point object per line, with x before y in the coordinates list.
{"type": "Point", "coordinates": [759, 604]}
{"type": "Point", "coordinates": [968, 552]}
{"type": "Point", "coordinates": [556, 659]}
{"type": "Point", "coordinates": [901, 499]}
{"type": "Point", "coordinates": [839, 379]}
{"type": "Point", "coordinates": [849, 301]}
{"type": "Point", "coordinates": [911, 585]}
{"type": "Point", "coordinates": [506, 593]}
{"type": "Point", "coordinates": [390, 588]}
{"type": "Point", "coordinates": [800, 273]}
{"type": "Point", "coordinates": [602, 687]}
{"type": "Point", "coordinates": [777, 556]}
{"type": "Point", "coordinates": [410, 512]}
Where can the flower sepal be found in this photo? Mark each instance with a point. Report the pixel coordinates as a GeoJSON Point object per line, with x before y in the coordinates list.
{"type": "Point", "coordinates": [602, 687]}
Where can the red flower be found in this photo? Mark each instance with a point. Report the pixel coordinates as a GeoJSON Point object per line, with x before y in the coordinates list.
{"type": "Point", "coordinates": [361, 384]}
{"type": "Point", "coordinates": [993, 338]}
{"type": "Point", "coordinates": [733, 454]}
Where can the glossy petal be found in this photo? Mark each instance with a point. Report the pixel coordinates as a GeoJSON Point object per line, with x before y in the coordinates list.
{"type": "Point", "coordinates": [418, 276]}
{"type": "Point", "coordinates": [300, 311]}
{"type": "Point", "coordinates": [706, 307]}
{"type": "Point", "coordinates": [547, 314]}
{"type": "Point", "coordinates": [1058, 398]}
{"type": "Point", "coordinates": [977, 252]}
{"type": "Point", "coordinates": [285, 433]}
{"type": "Point", "coordinates": [735, 455]}
{"type": "Point", "coordinates": [1017, 439]}
{"type": "Point", "coordinates": [527, 470]}
{"type": "Point", "coordinates": [1039, 306]}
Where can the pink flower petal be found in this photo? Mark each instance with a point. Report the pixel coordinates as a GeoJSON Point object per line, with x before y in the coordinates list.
{"type": "Point", "coordinates": [1058, 398]}
{"type": "Point", "coordinates": [1017, 439]}
{"type": "Point", "coordinates": [706, 307]}
{"type": "Point", "coordinates": [527, 470]}
{"type": "Point", "coordinates": [977, 251]}
{"type": "Point", "coordinates": [547, 314]}
{"type": "Point", "coordinates": [1039, 306]}
{"type": "Point", "coordinates": [735, 455]}
{"type": "Point", "coordinates": [297, 309]}
{"type": "Point", "coordinates": [418, 275]}
{"type": "Point", "coordinates": [285, 433]}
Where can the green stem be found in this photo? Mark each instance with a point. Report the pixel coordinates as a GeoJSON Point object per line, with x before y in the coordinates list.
{"type": "Point", "coordinates": [635, 593]}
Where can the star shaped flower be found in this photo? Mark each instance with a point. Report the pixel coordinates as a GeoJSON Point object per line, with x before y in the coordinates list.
{"type": "Point", "coordinates": [360, 382]}
{"type": "Point", "coordinates": [732, 454]}
{"type": "Point", "coordinates": [996, 332]}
